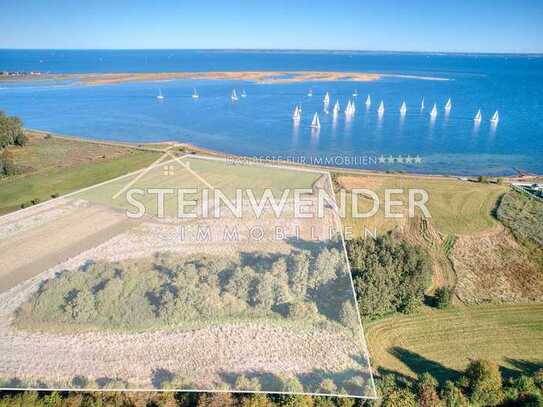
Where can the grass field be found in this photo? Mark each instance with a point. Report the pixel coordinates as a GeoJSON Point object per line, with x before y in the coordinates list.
{"type": "Point", "coordinates": [199, 173]}
{"type": "Point", "coordinates": [56, 166]}
{"type": "Point", "coordinates": [457, 207]}
{"type": "Point", "coordinates": [443, 341]}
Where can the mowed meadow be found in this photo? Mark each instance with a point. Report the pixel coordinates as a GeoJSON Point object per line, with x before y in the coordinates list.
{"type": "Point", "coordinates": [456, 207]}
{"type": "Point", "coordinates": [443, 342]}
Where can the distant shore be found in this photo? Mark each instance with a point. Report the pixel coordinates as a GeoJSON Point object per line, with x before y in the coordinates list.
{"type": "Point", "coordinates": [253, 76]}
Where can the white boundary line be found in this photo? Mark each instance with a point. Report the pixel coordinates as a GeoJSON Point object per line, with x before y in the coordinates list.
{"type": "Point", "coordinates": [241, 163]}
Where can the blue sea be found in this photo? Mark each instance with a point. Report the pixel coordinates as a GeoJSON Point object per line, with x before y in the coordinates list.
{"type": "Point", "coordinates": [260, 125]}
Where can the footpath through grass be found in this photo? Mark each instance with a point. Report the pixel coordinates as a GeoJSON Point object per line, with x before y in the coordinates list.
{"type": "Point", "coordinates": [442, 342]}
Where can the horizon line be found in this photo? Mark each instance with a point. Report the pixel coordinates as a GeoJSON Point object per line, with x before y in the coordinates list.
{"type": "Point", "coordinates": [281, 50]}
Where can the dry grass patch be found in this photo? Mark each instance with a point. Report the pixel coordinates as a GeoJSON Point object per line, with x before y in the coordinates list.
{"type": "Point", "coordinates": [495, 268]}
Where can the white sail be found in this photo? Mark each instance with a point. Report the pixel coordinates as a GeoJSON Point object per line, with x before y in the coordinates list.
{"type": "Point", "coordinates": [495, 118]}
{"type": "Point", "coordinates": [422, 104]}
{"type": "Point", "coordinates": [315, 123]}
{"type": "Point", "coordinates": [448, 105]}
{"type": "Point", "coordinates": [326, 99]}
{"type": "Point", "coordinates": [433, 113]}
{"type": "Point", "coordinates": [310, 93]}
{"type": "Point", "coordinates": [381, 108]}
{"type": "Point", "coordinates": [403, 108]}
{"type": "Point", "coordinates": [349, 108]}
{"type": "Point", "coordinates": [160, 96]}
{"type": "Point", "coordinates": [368, 101]}
{"type": "Point", "coordinates": [243, 94]}
{"type": "Point", "coordinates": [195, 94]}
{"type": "Point", "coordinates": [478, 117]}
{"type": "Point", "coordinates": [234, 95]}
{"type": "Point", "coordinates": [353, 107]}
{"type": "Point", "coordinates": [297, 113]}
{"type": "Point", "coordinates": [336, 107]}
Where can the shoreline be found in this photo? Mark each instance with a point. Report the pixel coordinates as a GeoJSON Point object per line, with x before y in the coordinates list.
{"type": "Point", "coordinates": [261, 77]}
{"type": "Point", "coordinates": [195, 149]}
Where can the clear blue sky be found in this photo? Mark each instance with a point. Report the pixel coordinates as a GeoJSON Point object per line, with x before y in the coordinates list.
{"type": "Point", "coordinates": [406, 25]}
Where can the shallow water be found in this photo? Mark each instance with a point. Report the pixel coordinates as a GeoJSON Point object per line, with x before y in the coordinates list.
{"type": "Point", "coordinates": [261, 124]}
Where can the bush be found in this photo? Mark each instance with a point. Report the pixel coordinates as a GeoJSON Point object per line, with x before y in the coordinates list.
{"type": "Point", "coordinates": [443, 297]}
{"type": "Point", "coordinates": [244, 383]}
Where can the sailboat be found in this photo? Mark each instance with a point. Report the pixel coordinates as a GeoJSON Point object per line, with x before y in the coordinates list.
{"type": "Point", "coordinates": [433, 113]}
{"type": "Point", "coordinates": [336, 107]}
{"type": "Point", "coordinates": [243, 94]}
{"type": "Point", "coordinates": [315, 123]}
{"type": "Point", "coordinates": [403, 109]}
{"type": "Point", "coordinates": [381, 108]}
{"type": "Point", "coordinates": [368, 101]}
{"type": "Point", "coordinates": [160, 96]}
{"type": "Point", "coordinates": [478, 117]}
{"type": "Point", "coordinates": [422, 105]}
{"type": "Point", "coordinates": [349, 109]}
{"type": "Point", "coordinates": [310, 93]}
{"type": "Point", "coordinates": [297, 113]}
{"type": "Point", "coordinates": [195, 94]}
{"type": "Point", "coordinates": [495, 118]}
{"type": "Point", "coordinates": [234, 96]}
{"type": "Point", "coordinates": [355, 93]}
{"type": "Point", "coordinates": [326, 99]}
{"type": "Point", "coordinates": [448, 106]}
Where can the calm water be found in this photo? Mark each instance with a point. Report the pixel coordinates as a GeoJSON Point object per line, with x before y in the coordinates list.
{"type": "Point", "coordinates": [261, 125]}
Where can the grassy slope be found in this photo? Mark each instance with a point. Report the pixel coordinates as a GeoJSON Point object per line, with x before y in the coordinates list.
{"type": "Point", "coordinates": [59, 166]}
{"type": "Point", "coordinates": [456, 207]}
{"type": "Point", "coordinates": [443, 342]}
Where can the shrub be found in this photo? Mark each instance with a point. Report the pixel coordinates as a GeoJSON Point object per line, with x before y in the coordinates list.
{"type": "Point", "coordinates": [443, 297]}
{"type": "Point", "coordinates": [7, 164]}
{"type": "Point", "coordinates": [244, 383]}
{"type": "Point", "coordinates": [452, 396]}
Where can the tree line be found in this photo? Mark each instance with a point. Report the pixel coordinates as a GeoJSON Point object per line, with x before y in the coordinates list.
{"type": "Point", "coordinates": [481, 384]}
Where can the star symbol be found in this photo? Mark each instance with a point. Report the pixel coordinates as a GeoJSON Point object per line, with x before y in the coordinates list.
{"type": "Point", "coordinates": [408, 159]}
{"type": "Point", "coordinates": [418, 160]}
{"type": "Point", "coordinates": [399, 159]}
{"type": "Point", "coordinates": [390, 159]}
{"type": "Point", "coordinates": [381, 159]}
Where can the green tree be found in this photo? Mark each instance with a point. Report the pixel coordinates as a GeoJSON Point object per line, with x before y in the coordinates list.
{"type": "Point", "coordinates": [484, 382]}
{"type": "Point", "coordinates": [388, 275]}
